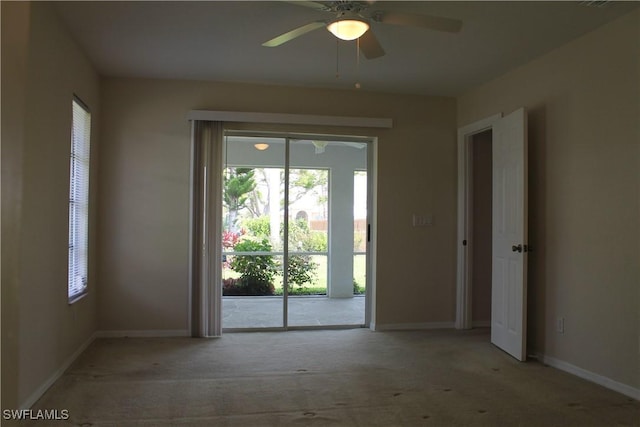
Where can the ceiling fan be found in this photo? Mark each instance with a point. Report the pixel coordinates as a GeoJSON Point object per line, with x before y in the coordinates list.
{"type": "Point", "coordinates": [352, 20]}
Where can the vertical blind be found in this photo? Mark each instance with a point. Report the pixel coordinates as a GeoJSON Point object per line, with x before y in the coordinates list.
{"type": "Point", "coordinates": [205, 275]}
{"type": "Point", "coordinates": [79, 201]}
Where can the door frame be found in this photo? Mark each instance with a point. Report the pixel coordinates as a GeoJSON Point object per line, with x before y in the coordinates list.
{"type": "Point", "coordinates": [464, 277]}
{"type": "Point", "coordinates": [204, 285]}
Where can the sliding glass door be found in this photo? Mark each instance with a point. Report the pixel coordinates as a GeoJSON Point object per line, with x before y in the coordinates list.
{"type": "Point", "coordinates": [321, 233]}
{"type": "Point", "coordinates": [252, 239]}
{"type": "Point", "coordinates": [301, 203]}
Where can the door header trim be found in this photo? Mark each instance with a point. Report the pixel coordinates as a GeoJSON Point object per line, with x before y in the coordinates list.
{"type": "Point", "coordinates": [290, 119]}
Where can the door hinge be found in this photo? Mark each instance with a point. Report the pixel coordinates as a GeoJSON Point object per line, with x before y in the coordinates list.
{"type": "Point", "coordinates": [464, 242]}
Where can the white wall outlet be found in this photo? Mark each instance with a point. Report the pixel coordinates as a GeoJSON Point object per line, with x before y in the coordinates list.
{"type": "Point", "coordinates": [560, 325]}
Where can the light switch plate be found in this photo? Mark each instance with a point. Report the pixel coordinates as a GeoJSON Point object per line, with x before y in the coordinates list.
{"type": "Point", "coordinates": [422, 220]}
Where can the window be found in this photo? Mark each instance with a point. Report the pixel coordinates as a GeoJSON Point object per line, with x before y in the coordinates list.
{"type": "Point", "coordinates": [79, 201]}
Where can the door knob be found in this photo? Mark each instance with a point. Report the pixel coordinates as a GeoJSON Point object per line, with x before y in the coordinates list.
{"type": "Point", "coordinates": [515, 248]}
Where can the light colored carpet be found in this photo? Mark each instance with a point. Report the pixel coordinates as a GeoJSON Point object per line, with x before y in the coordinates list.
{"type": "Point", "coordinates": [325, 378]}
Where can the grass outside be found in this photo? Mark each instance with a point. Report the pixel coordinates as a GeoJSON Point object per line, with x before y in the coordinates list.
{"type": "Point", "coordinates": [319, 284]}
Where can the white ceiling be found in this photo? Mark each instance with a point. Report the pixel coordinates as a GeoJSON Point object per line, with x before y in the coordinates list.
{"type": "Point", "coordinates": [221, 41]}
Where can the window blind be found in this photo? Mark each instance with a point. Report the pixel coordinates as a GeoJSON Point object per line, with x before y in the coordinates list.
{"type": "Point", "coordinates": [79, 201]}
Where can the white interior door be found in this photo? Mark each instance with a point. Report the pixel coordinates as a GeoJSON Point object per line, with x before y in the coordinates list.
{"type": "Point", "coordinates": [509, 257]}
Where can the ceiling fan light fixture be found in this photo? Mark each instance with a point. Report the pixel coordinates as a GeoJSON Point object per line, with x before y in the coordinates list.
{"type": "Point", "coordinates": [348, 28]}
{"type": "Point", "coordinates": [320, 146]}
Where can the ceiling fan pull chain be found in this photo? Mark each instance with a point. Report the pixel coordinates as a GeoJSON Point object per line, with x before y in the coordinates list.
{"type": "Point", "coordinates": [337, 58]}
{"type": "Point", "coordinates": [358, 63]}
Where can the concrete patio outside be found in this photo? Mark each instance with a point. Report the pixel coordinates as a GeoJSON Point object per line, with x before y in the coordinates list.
{"type": "Point", "coordinates": [266, 312]}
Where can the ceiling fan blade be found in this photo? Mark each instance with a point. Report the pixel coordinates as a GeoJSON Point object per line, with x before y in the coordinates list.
{"type": "Point", "coordinates": [310, 4]}
{"type": "Point", "coordinates": [426, 21]}
{"type": "Point", "coordinates": [288, 36]}
{"type": "Point", "coordinates": [370, 46]}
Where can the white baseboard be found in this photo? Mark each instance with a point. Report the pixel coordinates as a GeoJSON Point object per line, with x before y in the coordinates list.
{"type": "Point", "coordinates": [481, 324]}
{"type": "Point", "coordinates": [414, 326]}
{"type": "Point", "coordinates": [149, 333]}
{"type": "Point", "coordinates": [625, 389]}
{"type": "Point", "coordinates": [31, 400]}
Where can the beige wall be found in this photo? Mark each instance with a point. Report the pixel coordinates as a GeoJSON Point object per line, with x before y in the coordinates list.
{"type": "Point", "coordinates": [15, 39]}
{"type": "Point", "coordinates": [144, 194]}
{"type": "Point", "coordinates": [583, 102]}
{"type": "Point", "coordinates": [48, 331]}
